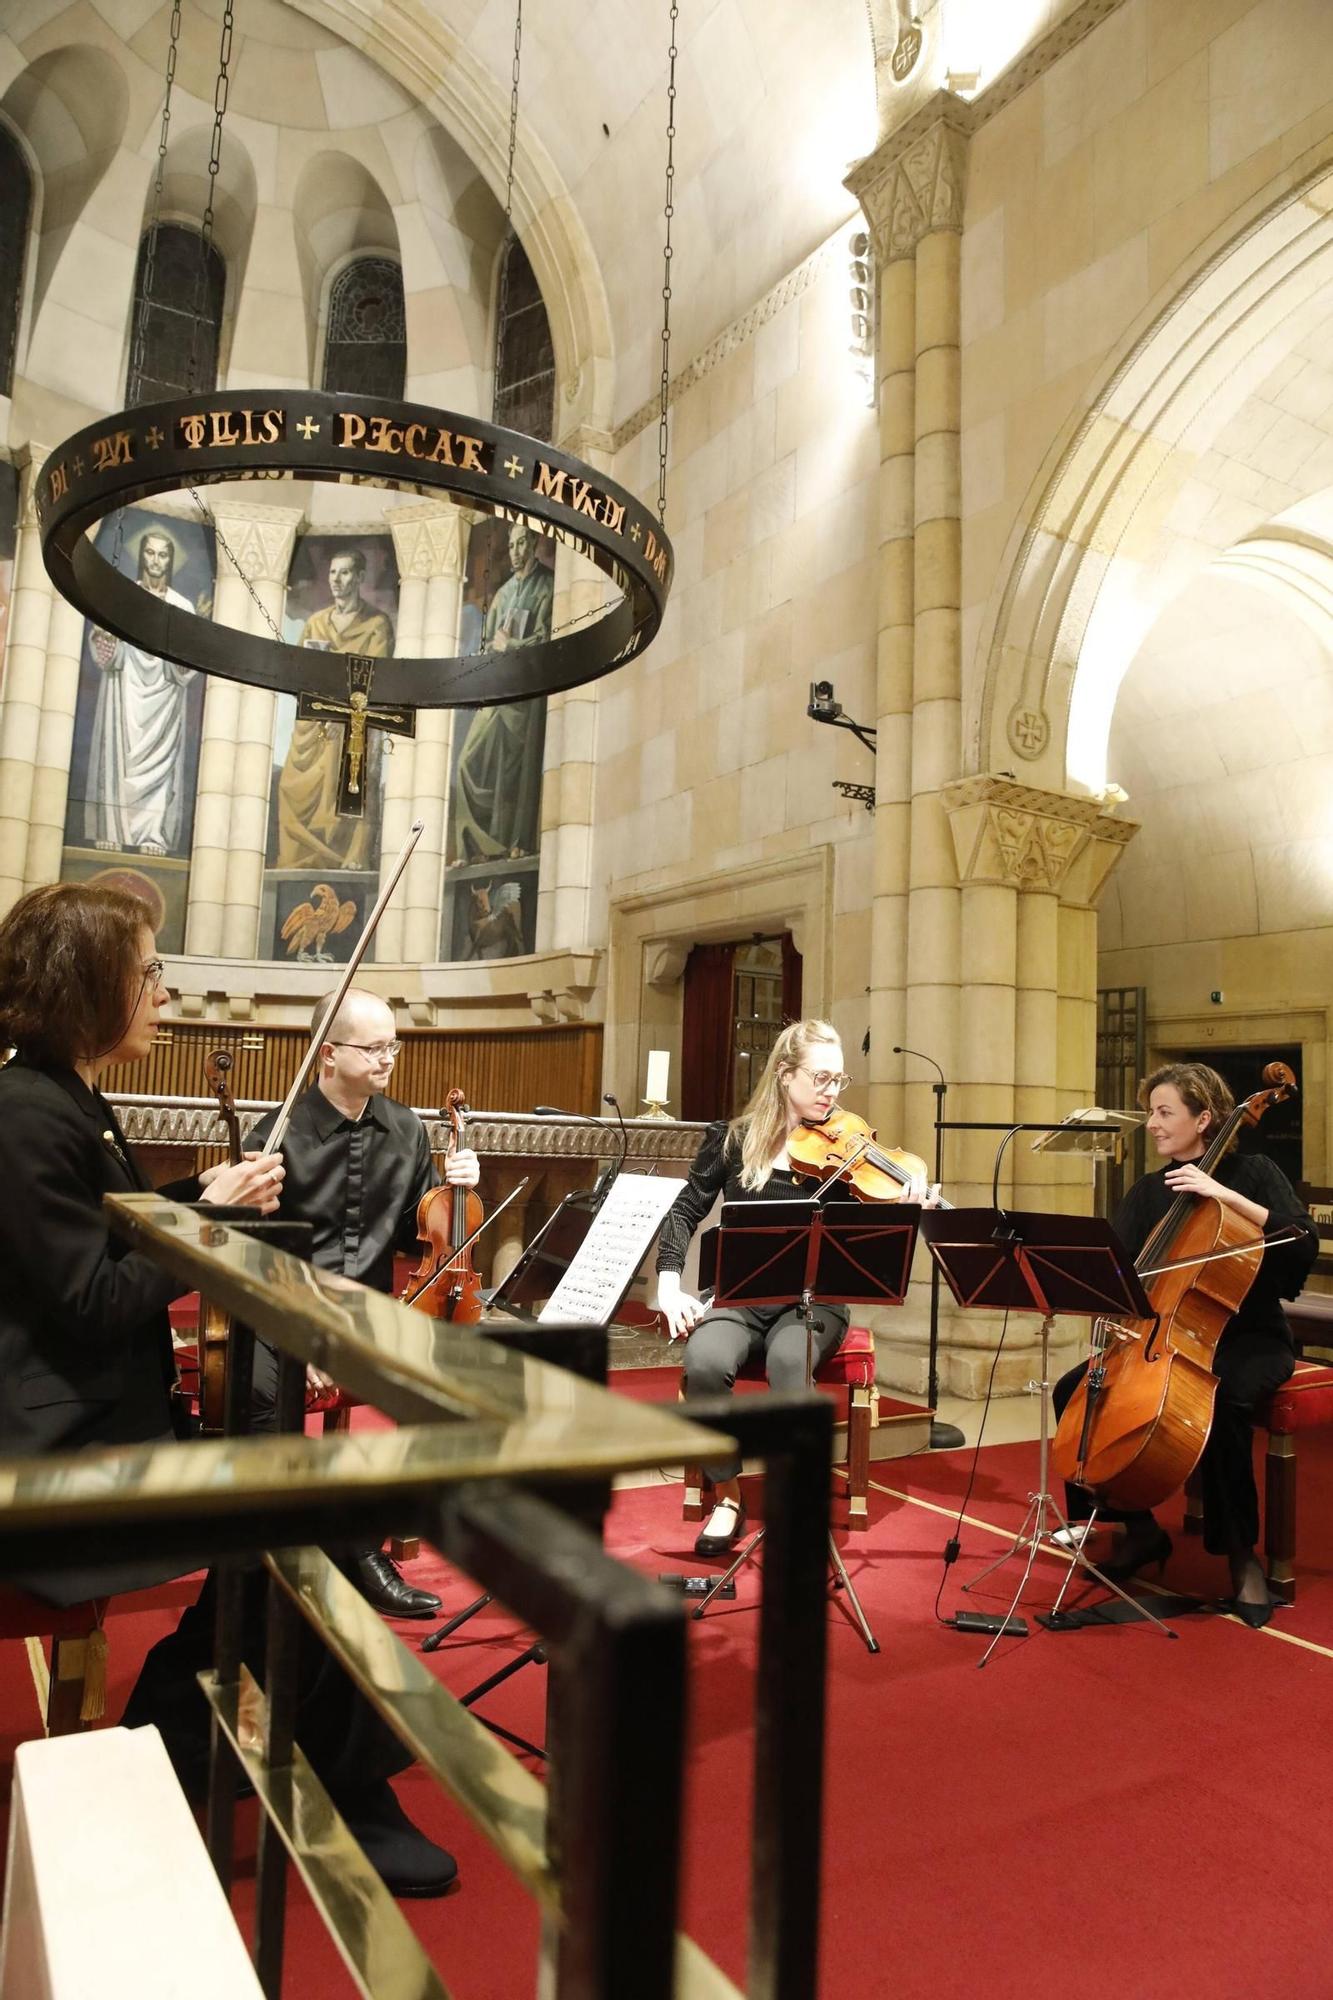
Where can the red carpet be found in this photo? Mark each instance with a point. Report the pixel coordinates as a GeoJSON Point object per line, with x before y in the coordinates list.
{"type": "Point", "coordinates": [1105, 1812]}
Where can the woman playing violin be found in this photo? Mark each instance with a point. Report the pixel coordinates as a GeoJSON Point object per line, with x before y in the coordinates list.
{"type": "Point", "coordinates": [1186, 1103]}
{"type": "Point", "coordinates": [748, 1160]}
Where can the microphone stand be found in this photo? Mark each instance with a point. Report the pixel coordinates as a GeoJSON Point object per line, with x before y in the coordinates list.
{"type": "Point", "coordinates": [943, 1437]}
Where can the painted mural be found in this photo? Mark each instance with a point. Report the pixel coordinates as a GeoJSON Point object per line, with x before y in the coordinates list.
{"type": "Point", "coordinates": [323, 867]}
{"type": "Point", "coordinates": [494, 826]}
{"type": "Point", "coordinates": [137, 723]}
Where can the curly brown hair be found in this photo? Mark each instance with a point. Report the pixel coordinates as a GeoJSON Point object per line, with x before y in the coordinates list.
{"type": "Point", "coordinates": [1198, 1087]}
{"type": "Point", "coordinates": [69, 971]}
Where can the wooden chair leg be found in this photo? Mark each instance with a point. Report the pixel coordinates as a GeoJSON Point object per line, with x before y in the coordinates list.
{"type": "Point", "coordinates": [404, 1548]}
{"type": "Point", "coordinates": [338, 1418]}
{"type": "Point", "coordinates": [692, 1508]}
{"type": "Point", "coordinates": [1193, 1522]}
{"type": "Point", "coordinates": [65, 1695]}
{"type": "Point", "coordinates": [858, 1456]}
{"type": "Point", "coordinates": [1280, 1517]}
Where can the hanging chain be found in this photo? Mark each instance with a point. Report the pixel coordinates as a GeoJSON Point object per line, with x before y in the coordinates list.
{"type": "Point", "coordinates": [502, 305]}
{"type": "Point", "coordinates": [668, 212]}
{"type": "Point", "coordinates": [139, 342]}
{"type": "Point", "coordinates": [220, 91]}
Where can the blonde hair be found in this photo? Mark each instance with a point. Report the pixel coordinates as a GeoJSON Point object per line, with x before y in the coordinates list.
{"type": "Point", "coordinates": [759, 1131]}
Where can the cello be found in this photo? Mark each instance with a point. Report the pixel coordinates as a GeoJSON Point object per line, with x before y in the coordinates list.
{"type": "Point", "coordinates": [446, 1283]}
{"type": "Point", "coordinates": [1135, 1427]}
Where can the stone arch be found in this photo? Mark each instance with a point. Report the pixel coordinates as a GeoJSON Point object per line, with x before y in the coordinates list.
{"type": "Point", "coordinates": [339, 212]}
{"type": "Point", "coordinates": [69, 109]}
{"type": "Point", "coordinates": [1109, 535]}
{"type": "Point", "coordinates": [444, 75]}
{"type": "Point", "coordinates": [185, 183]}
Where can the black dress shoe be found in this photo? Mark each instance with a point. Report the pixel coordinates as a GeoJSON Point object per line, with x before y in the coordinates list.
{"type": "Point", "coordinates": [718, 1544]}
{"type": "Point", "coordinates": [1254, 1613]}
{"type": "Point", "coordinates": [1150, 1553]}
{"type": "Point", "coordinates": [380, 1580]}
{"type": "Point", "coordinates": [406, 1862]}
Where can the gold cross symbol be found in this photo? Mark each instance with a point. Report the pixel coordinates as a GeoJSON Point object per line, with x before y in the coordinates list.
{"type": "Point", "coordinates": [513, 466]}
{"type": "Point", "coordinates": [155, 437]}
{"type": "Point", "coordinates": [78, 468]}
{"type": "Point", "coordinates": [635, 533]}
{"type": "Point", "coordinates": [308, 428]}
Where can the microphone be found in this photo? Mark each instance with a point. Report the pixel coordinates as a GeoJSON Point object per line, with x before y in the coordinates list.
{"type": "Point", "coordinates": [614, 1102]}
{"type": "Point", "coordinates": [899, 1050]}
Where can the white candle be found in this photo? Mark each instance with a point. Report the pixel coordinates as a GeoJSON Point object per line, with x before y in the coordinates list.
{"type": "Point", "coordinates": [659, 1069]}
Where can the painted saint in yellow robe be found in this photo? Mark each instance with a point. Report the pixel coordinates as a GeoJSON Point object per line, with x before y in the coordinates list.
{"type": "Point", "coordinates": [311, 833]}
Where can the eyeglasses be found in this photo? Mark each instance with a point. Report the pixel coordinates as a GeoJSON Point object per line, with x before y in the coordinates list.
{"type": "Point", "coordinates": [153, 972]}
{"type": "Point", "coordinates": [826, 1079]}
{"type": "Point", "coordinates": [377, 1051]}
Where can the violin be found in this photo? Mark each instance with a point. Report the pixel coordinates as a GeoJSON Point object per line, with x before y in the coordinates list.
{"type": "Point", "coordinates": [1135, 1427]}
{"type": "Point", "coordinates": [844, 1145]}
{"type": "Point", "coordinates": [214, 1324]}
{"type": "Point", "coordinates": [446, 1284]}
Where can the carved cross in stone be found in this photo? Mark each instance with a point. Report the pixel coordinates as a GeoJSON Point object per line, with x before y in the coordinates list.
{"type": "Point", "coordinates": [358, 715]}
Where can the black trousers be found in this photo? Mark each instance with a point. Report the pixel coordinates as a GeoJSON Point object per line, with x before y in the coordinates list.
{"type": "Point", "coordinates": [349, 1747]}
{"type": "Point", "coordinates": [724, 1340]}
{"type": "Point", "coordinates": [1248, 1367]}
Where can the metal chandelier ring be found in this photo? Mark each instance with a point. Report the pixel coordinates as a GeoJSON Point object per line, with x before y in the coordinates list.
{"type": "Point", "coordinates": [274, 434]}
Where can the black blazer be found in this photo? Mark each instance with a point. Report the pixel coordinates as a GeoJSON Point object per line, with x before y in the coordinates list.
{"type": "Point", "coordinates": [85, 1343]}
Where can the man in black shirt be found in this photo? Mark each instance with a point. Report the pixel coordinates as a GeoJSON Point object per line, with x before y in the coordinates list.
{"type": "Point", "coordinates": [357, 1164]}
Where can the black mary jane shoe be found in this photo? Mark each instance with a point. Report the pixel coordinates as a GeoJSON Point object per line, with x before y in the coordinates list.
{"type": "Point", "coordinates": [720, 1544]}
{"type": "Point", "coordinates": [1139, 1556]}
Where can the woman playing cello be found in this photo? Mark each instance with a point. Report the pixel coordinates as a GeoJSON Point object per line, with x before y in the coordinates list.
{"type": "Point", "coordinates": [1186, 1103]}
{"type": "Point", "coordinates": [748, 1160]}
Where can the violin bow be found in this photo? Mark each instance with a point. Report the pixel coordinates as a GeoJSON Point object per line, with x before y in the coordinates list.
{"type": "Point", "coordinates": [276, 1136]}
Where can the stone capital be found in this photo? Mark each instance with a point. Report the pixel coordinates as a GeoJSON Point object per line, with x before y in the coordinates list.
{"type": "Point", "coordinates": [255, 541]}
{"type": "Point", "coordinates": [428, 538]}
{"type": "Point", "coordinates": [1018, 837]}
{"type": "Point", "coordinates": [29, 458]}
{"type": "Point", "coordinates": [914, 183]}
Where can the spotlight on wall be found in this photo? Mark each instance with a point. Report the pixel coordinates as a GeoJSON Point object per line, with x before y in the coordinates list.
{"type": "Point", "coordinates": [824, 706]}
{"type": "Point", "coordinates": [861, 299]}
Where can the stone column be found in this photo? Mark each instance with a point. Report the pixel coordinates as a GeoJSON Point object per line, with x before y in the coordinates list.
{"type": "Point", "coordinates": [32, 602]}
{"type": "Point", "coordinates": [55, 745]}
{"type": "Point", "coordinates": [1028, 1052]}
{"type": "Point", "coordinates": [564, 917]}
{"type": "Point", "coordinates": [260, 539]}
{"type": "Point", "coordinates": [429, 541]}
{"type": "Point", "coordinates": [912, 192]}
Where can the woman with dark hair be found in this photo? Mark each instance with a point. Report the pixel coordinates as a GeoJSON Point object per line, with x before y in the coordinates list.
{"type": "Point", "coordinates": [1186, 1103]}
{"type": "Point", "coordinates": [85, 1343]}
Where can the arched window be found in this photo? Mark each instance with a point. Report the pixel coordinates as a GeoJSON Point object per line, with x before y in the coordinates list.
{"type": "Point", "coordinates": [525, 385]}
{"type": "Point", "coordinates": [15, 209]}
{"type": "Point", "coordinates": [365, 347]}
{"type": "Point", "coordinates": [174, 332]}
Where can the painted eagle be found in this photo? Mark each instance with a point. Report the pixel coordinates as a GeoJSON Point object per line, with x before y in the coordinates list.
{"type": "Point", "coordinates": [309, 924]}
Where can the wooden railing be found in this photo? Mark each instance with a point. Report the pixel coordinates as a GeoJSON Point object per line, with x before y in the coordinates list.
{"type": "Point", "coordinates": [506, 1069]}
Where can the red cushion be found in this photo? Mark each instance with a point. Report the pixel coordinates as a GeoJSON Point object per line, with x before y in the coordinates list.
{"type": "Point", "coordinates": [184, 1313]}
{"type": "Point", "coordinates": [23, 1617]}
{"type": "Point", "coordinates": [853, 1366]}
{"type": "Point", "coordinates": [1303, 1402]}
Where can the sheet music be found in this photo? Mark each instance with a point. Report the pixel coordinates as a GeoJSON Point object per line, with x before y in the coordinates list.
{"type": "Point", "coordinates": [603, 1267]}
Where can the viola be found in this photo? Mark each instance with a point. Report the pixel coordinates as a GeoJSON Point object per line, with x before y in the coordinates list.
{"type": "Point", "coordinates": [845, 1145]}
{"type": "Point", "coordinates": [1135, 1428]}
{"type": "Point", "coordinates": [446, 1284]}
{"type": "Point", "coordinates": [214, 1324]}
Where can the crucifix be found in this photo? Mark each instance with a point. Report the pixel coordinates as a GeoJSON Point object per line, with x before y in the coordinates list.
{"type": "Point", "coordinates": [359, 715]}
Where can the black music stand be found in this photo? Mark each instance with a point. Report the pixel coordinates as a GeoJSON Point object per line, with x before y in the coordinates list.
{"type": "Point", "coordinates": [767, 1253]}
{"type": "Point", "coordinates": [1052, 1264]}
